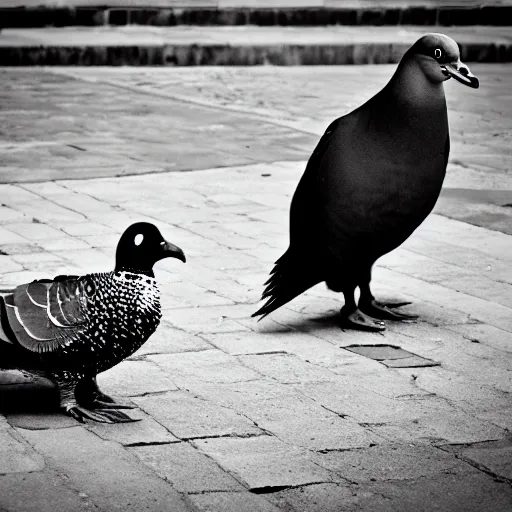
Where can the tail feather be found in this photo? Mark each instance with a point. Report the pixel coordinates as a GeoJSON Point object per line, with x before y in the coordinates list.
{"type": "Point", "coordinates": [290, 277]}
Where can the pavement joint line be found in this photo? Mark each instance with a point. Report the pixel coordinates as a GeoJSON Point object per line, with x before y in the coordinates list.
{"type": "Point", "coordinates": [477, 465]}
{"type": "Point", "coordinates": [452, 289]}
{"type": "Point", "coordinates": [184, 99]}
{"type": "Point", "coordinates": [50, 200]}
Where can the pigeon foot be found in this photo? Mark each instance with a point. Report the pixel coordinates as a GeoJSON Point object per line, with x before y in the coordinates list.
{"type": "Point", "coordinates": [383, 311]}
{"type": "Point", "coordinates": [102, 401]}
{"type": "Point", "coordinates": [101, 415]}
{"type": "Point", "coordinates": [360, 321]}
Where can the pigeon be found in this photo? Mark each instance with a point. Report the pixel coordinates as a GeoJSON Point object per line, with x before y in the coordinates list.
{"type": "Point", "coordinates": [73, 327]}
{"type": "Point", "coordinates": [373, 178]}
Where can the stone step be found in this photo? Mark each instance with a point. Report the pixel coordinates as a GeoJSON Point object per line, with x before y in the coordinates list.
{"type": "Point", "coordinates": [236, 46]}
{"type": "Point", "coordinates": [40, 13]}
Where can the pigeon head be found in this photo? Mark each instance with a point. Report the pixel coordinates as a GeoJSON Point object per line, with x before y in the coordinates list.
{"type": "Point", "coordinates": [141, 246]}
{"type": "Point", "coordinates": [439, 59]}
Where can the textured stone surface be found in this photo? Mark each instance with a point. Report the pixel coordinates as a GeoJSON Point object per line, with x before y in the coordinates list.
{"type": "Point", "coordinates": [41, 492]}
{"type": "Point", "coordinates": [144, 431]}
{"type": "Point", "coordinates": [187, 416]}
{"type": "Point", "coordinates": [188, 469]}
{"type": "Point", "coordinates": [104, 471]}
{"type": "Point", "coordinates": [207, 366]}
{"type": "Point", "coordinates": [16, 456]}
{"type": "Point", "coordinates": [390, 462]}
{"type": "Point", "coordinates": [232, 502]}
{"type": "Point", "coordinates": [132, 378]}
{"type": "Point", "coordinates": [263, 462]}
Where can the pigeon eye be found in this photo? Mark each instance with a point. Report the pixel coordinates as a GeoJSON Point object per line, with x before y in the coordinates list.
{"type": "Point", "coordinates": [138, 239]}
{"type": "Point", "coordinates": [438, 53]}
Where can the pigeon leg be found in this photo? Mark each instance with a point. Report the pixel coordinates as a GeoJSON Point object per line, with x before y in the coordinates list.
{"type": "Point", "coordinates": [353, 318]}
{"type": "Point", "coordinates": [381, 310]}
{"type": "Point", "coordinates": [89, 394]}
{"type": "Point", "coordinates": [69, 404]}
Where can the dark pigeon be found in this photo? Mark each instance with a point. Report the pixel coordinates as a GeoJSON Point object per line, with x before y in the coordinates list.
{"type": "Point", "coordinates": [373, 178]}
{"type": "Point", "coordinates": [73, 327]}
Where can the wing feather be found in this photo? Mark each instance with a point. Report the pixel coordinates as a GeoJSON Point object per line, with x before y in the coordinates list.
{"type": "Point", "coordinates": [43, 314]}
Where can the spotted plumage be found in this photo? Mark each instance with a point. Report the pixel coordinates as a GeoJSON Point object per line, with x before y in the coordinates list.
{"type": "Point", "coordinates": [73, 328]}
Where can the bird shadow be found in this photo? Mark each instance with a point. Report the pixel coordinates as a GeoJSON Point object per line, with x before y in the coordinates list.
{"type": "Point", "coordinates": [302, 323]}
{"type": "Point", "coordinates": [25, 392]}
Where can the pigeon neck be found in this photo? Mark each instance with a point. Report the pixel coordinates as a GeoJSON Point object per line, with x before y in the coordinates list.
{"type": "Point", "coordinates": [411, 87]}
{"type": "Point", "coordinates": [122, 268]}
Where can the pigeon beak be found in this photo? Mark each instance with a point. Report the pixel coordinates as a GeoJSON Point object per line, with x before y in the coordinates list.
{"type": "Point", "coordinates": [172, 251]}
{"type": "Point", "coordinates": [461, 73]}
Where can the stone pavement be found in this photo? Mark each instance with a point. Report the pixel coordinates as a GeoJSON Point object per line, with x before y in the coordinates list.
{"type": "Point", "coordinates": [290, 413]}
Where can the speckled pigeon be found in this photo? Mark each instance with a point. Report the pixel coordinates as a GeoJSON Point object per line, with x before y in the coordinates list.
{"type": "Point", "coordinates": [74, 327]}
{"type": "Point", "coordinates": [373, 178]}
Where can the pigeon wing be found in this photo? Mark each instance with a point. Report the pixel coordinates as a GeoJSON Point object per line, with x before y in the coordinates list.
{"type": "Point", "coordinates": [305, 211]}
{"type": "Point", "coordinates": [43, 314]}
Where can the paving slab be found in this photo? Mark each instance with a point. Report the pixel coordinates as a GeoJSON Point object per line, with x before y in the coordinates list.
{"type": "Point", "coordinates": [263, 462]}
{"type": "Point", "coordinates": [188, 469]}
{"type": "Point", "coordinates": [232, 502]}
{"type": "Point", "coordinates": [104, 471]}
{"type": "Point", "coordinates": [446, 493]}
{"type": "Point", "coordinates": [17, 456]}
{"type": "Point", "coordinates": [493, 457]}
{"type": "Point", "coordinates": [41, 491]}
{"type": "Point", "coordinates": [390, 462]}
{"type": "Point", "coordinates": [189, 417]}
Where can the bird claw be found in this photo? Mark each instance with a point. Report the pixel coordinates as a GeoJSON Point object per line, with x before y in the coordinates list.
{"type": "Point", "coordinates": [383, 311]}
{"type": "Point", "coordinates": [360, 321]}
{"type": "Point", "coordinates": [99, 400]}
{"type": "Point", "coordinates": [392, 304]}
{"type": "Point", "coordinates": [101, 404]}
{"type": "Point", "coordinates": [101, 415]}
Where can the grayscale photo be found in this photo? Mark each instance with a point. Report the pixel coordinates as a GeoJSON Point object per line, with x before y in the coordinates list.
{"type": "Point", "coordinates": [255, 255]}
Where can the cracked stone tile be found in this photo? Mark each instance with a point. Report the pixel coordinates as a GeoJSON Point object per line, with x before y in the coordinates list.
{"type": "Point", "coordinates": [289, 415]}
{"type": "Point", "coordinates": [327, 497]}
{"type": "Point", "coordinates": [209, 319]}
{"type": "Point", "coordinates": [471, 492]}
{"type": "Point", "coordinates": [494, 457]}
{"type": "Point", "coordinates": [26, 248]}
{"type": "Point", "coordinates": [487, 334]}
{"type": "Point", "coordinates": [205, 366]}
{"type": "Point", "coordinates": [181, 295]}
{"type": "Point", "coordinates": [263, 462]}
{"type": "Point", "coordinates": [41, 491]}
{"type": "Point", "coordinates": [34, 231]}
{"type": "Point", "coordinates": [11, 236]}
{"type": "Point", "coordinates": [169, 340]}
{"type": "Point", "coordinates": [9, 264]}
{"type": "Point", "coordinates": [286, 368]}
{"type": "Point", "coordinates": [132, 378]}
{"type": "Point", "coordinates": [407, 420]}
{"type": "Point", "coordinates": [186, 468]}
{"type": "Point", "coordinates": [104, 471]}
{"type": "Point", "coordinates": [188, 416]}
{"type": "Point", "coordinates": [145, 431]}
{"type": "Point", "coordinates": [478, 399]}
{"type": "Point", "coordinates": [384, 462]}
{"type": "Point", "coordinates": [231, 502]}
{"type": "Point", "coordinates": [16, 455]}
